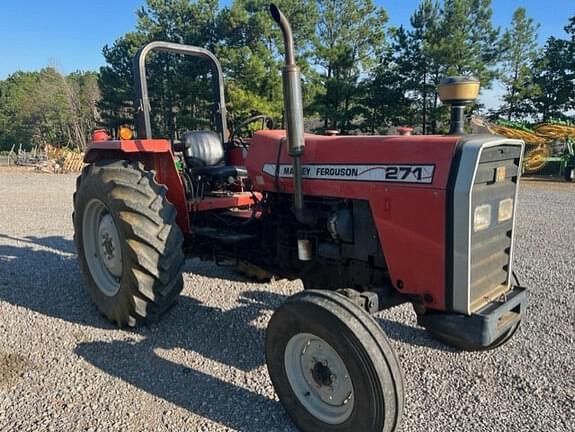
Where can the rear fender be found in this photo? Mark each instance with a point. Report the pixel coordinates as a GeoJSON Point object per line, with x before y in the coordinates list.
{"type": "Point", "coordinates": [156, 155]}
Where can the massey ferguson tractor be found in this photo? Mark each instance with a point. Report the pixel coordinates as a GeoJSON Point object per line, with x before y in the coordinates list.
{"type": "Point", "coordinates": [366, 222]}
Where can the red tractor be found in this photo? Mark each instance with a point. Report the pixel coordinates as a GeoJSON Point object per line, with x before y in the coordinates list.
{"type": "Point", "coordinates": [366, 222]}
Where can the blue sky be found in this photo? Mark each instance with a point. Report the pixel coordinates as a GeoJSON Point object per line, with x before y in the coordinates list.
{"type": "Point", "coordinates": [70, 34]}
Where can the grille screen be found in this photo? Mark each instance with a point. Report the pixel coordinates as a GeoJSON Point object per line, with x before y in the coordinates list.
{"type": "Point", "coordinates": [491, 247]}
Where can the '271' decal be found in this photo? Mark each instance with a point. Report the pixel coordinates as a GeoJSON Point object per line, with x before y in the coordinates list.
{"type": "Point", "coordinates": [377, 173]}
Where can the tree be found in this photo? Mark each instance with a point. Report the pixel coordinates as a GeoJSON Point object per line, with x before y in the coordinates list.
{"type": "Point", "coordinates": [244, 38]}
{"type": "Point", "coordinates": [45, 107]}
{"type": "Point", "coordinates": [554, 76]}
{"type": "Point", "coordinates": [519, 51]}
{"type": "Point", "coordinates": [83, 95]}
{"type": "Point", "coordinates": [116, 81]}
{"type": "Point", "coordinates": [179, 86]}
{"type": "Point", "coordinates": [251, 51]}
{"type": "Point", "coordinates": [385, 98]}
{"type": "Point", "coordinates": [349, 35]}
{"type": "Point", "coordinates": [417, 53]}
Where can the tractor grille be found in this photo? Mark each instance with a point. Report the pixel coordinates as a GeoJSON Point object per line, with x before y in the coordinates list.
{"type": "Point", "coordinates": [490, 248]}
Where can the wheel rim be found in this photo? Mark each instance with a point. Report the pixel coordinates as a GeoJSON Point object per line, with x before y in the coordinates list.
{"type": "Point", "coordinates": [319, 378]}
{"type": "Point", "coordinates": [102, 247]}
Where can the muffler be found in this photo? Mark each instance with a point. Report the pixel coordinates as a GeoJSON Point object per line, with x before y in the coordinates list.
{"type": "Point", "coordinates": [293, 107]}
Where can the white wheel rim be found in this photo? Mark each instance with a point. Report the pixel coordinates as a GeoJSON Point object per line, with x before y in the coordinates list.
{"type": "Point", "coordinates": [319, 378]}
{"type": "Point", "coordinates": [102, 247]}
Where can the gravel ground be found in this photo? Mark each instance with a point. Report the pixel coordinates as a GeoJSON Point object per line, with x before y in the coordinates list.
{"type": "Point", "coordinates": [63, 368]}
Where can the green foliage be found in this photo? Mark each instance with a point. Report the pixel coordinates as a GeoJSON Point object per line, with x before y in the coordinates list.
{"type": "Point", "coordinates": [44, 107]}
{"type": "Point", "coordinates": [349, 36]}
{"type": "Point", "coordinates": [554, 76]}
{"type": "Point", "coordinates": [519, 51]}
{"type": "Point", "coordinates": [251, 52]}
{"type": "Point", "coordinates": [453, 38]}
{"type": "Point", "coordinates": [116, 80]}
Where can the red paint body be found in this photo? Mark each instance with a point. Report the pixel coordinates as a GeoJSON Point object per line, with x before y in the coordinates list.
{"type": "Point", "coordinates": [410, 218]}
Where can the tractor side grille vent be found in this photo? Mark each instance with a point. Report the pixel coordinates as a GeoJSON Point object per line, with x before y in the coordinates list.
{"type": "Point", "coordinates": [490, 248]}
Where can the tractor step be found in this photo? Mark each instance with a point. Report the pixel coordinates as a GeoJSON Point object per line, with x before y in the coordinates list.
{"type": "Point", "coordinates": [222, 236]}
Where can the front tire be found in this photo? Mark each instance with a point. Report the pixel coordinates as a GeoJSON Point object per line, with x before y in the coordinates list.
{"type": "Point", "coordinates": [129, 245]}
{"type": "Point", "coordinates": [332, 366]}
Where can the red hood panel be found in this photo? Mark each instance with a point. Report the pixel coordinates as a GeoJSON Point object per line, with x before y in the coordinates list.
{"type": "Point", "coordinates": [361, 158]}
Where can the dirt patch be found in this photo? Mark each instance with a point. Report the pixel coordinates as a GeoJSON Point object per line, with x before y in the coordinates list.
{"type": "Point", "coordinates": [12, 366]}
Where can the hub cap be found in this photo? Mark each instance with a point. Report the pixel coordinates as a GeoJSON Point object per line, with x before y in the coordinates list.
{"type": "Point", "coordinates": [319, 378]}
{"type": "Point", "coordinates": [102, 247]}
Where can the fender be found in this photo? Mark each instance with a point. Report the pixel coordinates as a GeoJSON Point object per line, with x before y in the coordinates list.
{"type": "Point", "coordinates": [156, 155]}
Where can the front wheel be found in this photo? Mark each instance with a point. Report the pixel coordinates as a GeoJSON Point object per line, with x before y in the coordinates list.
{"type": "Point", "coordinates": [332, 366]}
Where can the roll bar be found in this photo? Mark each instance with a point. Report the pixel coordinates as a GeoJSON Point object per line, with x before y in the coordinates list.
{"type": "Point", "coordinates": [142, 102]}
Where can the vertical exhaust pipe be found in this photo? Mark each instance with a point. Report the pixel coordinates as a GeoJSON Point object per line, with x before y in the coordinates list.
{"type": "Point", "coordinates": [293, 107]}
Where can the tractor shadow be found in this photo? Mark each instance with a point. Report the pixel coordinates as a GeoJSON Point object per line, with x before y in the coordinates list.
{"type": "Point", "coordinates": [229, 347]}
{"type": "Point", "coordinates": [223, 402]}
{"type": "Point", "coordinates": [412, 335]}
{"type": "Point", "coordinates": [42, 275]}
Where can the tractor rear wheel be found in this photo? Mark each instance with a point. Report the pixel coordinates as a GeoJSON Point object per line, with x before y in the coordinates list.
{"type": "Point", "coordinates": [332, 366]}
{"type": "Point", "coordinates": [129, 246]}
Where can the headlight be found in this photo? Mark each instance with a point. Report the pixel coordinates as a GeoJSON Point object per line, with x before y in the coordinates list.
{"type": "Point", "coordinates": [505, 210]}
{"type": "Point", "coordinates": [482, 217]}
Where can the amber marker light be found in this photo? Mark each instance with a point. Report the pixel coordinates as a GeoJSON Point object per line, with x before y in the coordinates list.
{"type": "Point", "coordinates": [126, 133]}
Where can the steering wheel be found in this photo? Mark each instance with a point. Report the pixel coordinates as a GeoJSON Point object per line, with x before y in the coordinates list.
{"type": "Point", "coordinates": [266, 121]}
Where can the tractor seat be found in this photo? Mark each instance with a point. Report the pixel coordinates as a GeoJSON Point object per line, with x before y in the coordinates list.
{"type": "Point", "coordinates": [204, 154]}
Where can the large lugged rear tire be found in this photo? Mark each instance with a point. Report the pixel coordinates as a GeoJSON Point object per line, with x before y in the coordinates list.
{"type": "Point", "coordinates": [332, 366]}
{"type": "Point", "coordinates": [129, 245]}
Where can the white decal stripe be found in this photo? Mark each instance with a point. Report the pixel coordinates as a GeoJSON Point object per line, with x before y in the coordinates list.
{"type": "Point", "coordinates": [376, 173]}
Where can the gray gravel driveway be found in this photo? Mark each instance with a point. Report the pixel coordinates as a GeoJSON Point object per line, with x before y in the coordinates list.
{"type": "Point", "coordinates": [64, 368]}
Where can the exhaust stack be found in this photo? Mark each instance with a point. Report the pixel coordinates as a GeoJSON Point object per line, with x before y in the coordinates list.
{"type": "Point", "coordinates": [293, 107]}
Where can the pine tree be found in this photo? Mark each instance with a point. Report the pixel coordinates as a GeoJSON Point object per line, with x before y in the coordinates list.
{"type": "Point", "coordinates": [179, 86]}
{"type": "Point", "coordinates": [418, 53]}
{"type": "Point", "coordinates": [519, 51]}
{"type": "Point", "coordinates": [252, 54]}
{"type": "Point", "coordinates": [349, 35]}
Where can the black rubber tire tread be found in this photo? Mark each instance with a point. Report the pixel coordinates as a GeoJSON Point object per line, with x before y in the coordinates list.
{"type": "Point", "coordinates": [364, 348]}
{"type": "Point", "coordinates": [465, 346]}
{"type": "Point", "coordinates": [151, 240]}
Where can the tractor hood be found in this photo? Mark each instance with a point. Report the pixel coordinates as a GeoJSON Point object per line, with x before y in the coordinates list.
{"type": "Point", "coordinates": [332, 164]}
